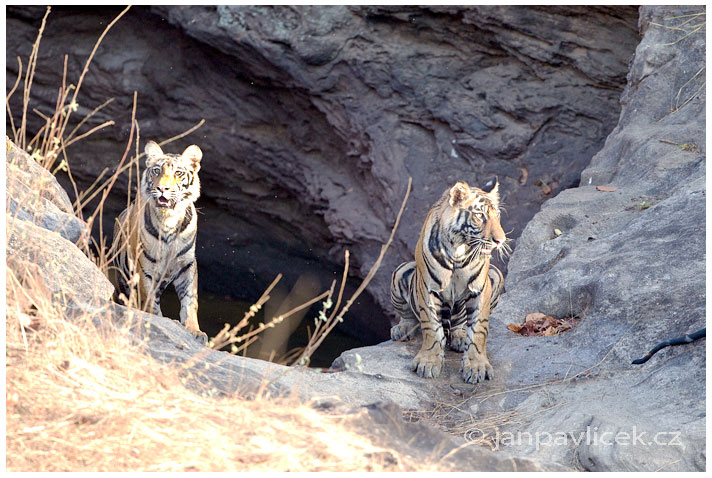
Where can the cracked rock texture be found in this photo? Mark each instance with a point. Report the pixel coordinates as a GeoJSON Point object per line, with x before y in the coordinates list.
{"type": "Point", "coordinates": [631, 264]}
{"type": "Point", "coordinates": [317, 116]}
{"type": "Point", "coordinates": [39, 257]}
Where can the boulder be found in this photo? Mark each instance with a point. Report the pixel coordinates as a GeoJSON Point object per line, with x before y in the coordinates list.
{"type": "Point", "coordinates": [34, 195]}
{"type": "Point", "coordinates": [41, 231]}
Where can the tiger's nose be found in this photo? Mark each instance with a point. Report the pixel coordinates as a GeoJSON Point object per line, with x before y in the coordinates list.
{"type": "Point", "coordinates": [165, 183]}
{"type": "Point", "coordinates": [498, 241]}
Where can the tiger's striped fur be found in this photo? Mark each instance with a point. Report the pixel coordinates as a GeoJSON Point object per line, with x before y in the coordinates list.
{"type": "Point", "coordinates": [451, 288]}
{"type": "Point", "coordinates": [159, 231]}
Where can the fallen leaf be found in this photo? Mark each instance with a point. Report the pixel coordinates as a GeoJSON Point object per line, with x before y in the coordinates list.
{"type": "Point", "coordinates": [524, 176]}
{"type": "Point", "coordinates": [514, 327]}
{"type": "Point", "coordinates": [538, 324]}
{"type": "Point", "coordinates": [606, 188]}
{"type": "Point", "coordinates": [550, 331]}
{"type": "Point", "coordinates": [534, 316]}
{"type": "Point", "coordinates": [557, 232]}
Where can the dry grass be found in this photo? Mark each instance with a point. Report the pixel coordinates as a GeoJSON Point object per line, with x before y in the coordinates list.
{"type": "Point", "coordinates": [481, 430]}
{"type": "Point", "coordinates": [81, 399]}
{"type": "Point", "coordinates": [685, 26]}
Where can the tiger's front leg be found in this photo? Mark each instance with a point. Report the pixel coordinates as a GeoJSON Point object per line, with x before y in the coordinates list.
{"type": "Point", "coordinates": [186, 285]}
{"type": "Point", "coordinates": [475, 365]}
{"type": "Point", "coordinates": [429, 360]}
{"type": "Point", "coordinates": [150, 299]}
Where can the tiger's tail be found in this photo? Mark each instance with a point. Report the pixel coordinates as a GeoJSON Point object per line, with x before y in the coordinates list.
{"type": "Point", "coordinates": [497, 280]}
{"type": "Point", "coordinates": [401, 289]}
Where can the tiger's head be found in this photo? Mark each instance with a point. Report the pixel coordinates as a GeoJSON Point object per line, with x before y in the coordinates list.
{"type": "Point", "coordinates": [474, 213]}
{"type": "Point", "coordinates": [171, 181]}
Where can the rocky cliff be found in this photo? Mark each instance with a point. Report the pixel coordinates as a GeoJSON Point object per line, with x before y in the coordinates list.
{"type": "Point", "coordinates": [624, 252]}
{"type": "Point", "coordinates": [622, 249]}
{"type": "Point", "coordinates": [53, 274]}
{"type": "Point", "coordinates": [317, 116]}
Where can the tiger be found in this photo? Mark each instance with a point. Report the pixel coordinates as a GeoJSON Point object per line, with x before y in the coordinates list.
{"type": "Point", "coordinates": [451, 288]}
{"type": "Point", "coordinates": [155, 235]}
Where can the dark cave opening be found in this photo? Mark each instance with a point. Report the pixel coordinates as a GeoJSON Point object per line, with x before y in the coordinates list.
{"type": "Point", "coordinates": [232, 278]}
{"type": "Point", "coordinates": [304, 160]}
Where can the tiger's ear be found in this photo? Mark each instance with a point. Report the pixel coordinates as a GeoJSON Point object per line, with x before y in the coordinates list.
{"type": "Point", "coordinates": [459, 193]}
{"type": "Point", "coordinates": [492, 186]}
{"type": "Point", "coordinates": [153, 152]}
{"type": "Point", "coordinates": [492, 190]}
{"type": "Point", "coordinates": [194, 154]}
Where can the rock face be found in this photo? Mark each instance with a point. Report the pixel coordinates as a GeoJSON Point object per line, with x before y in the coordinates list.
{"type": "Point", "coordinates": [33, 195]}
{"type": "Point", "coordinates": [630, 263]}
{"type": "Point", "coordinates": [41, 231]}
{"type": "Point", "coordinates": [317, 116]}
{"type": "Point", "coordinates": [80, 290]}
{"type": "Point", "coordinates": [629, 259]}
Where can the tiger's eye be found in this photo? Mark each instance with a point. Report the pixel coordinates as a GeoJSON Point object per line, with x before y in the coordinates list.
{"type": "Point", "coordinates": [156, 170]}
{"type": "Point", "coordinates": [179, 174]}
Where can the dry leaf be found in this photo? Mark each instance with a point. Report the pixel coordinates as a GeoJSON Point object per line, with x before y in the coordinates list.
{"type": "Point", "coordinates": [534, 316]}
{"type": "Point", "coordinates": [606, 188]}
{"type": "Point", "coordinates": [524, 176]}
{"type": "Point", "coordinates": [514, 327]}
{"type": "Point", "coordinates": [538, 324]}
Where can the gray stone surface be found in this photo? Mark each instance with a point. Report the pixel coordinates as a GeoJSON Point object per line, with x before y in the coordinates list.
{"type": "Point", "coordinates": [34, 195]}
{"type": "Point", "coordinates": [78, 287]}
{"type": "Point", "coordinates": [370, 404]}
{"type": "Point", "coordinates": [59, 260]}
{"type": "Point", "coordinates": [317, 116]}
{"type": "Point", "coordinates": [631, 264]}
{"type": "Point", "coordinates": [628, 262]}
{"type": "Point", "coordinates": [41, 230]}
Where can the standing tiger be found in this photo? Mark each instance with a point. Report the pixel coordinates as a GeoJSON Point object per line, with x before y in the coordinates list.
{"type": "Point", "coordinates": [451, 288]}
{"type": "Point", "coordinates": [159, 231]}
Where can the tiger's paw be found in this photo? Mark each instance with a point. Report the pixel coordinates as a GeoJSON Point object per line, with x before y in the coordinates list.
{"type": "Point", "coordinates": [427, 365]}
{"type": "Point", "coordinates": [405, 330]}
{"type": "Point", "coordinates": [458, 339]}
{"type": "Point", "coordinates": [476, 369]}
{"type": "Point", "coordinates": [201, 336]}
{"type": "Point", "coordinates": [191, 323]}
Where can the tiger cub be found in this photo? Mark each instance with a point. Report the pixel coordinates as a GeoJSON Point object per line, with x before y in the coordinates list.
{"type": "Point", "coordinates": [159, 229]}
{"type": "Point", "coordinates": [451, 288]}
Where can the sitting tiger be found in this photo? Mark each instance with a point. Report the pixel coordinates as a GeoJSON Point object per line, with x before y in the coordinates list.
{"type": "Point", "coordinates": [159, 229]}
{"type": "Point", "coordinates": [451, 288]}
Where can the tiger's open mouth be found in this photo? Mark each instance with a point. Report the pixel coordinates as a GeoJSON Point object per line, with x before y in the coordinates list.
{"type": "Point", "coordinates": [163, 201]}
